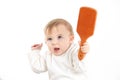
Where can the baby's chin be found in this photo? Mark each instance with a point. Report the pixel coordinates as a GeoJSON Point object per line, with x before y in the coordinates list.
{"type": "Point", "coordinates": [57, 54]}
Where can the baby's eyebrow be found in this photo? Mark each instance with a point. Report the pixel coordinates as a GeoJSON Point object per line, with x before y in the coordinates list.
{"type": "Point", "coordinates": [48, 36]}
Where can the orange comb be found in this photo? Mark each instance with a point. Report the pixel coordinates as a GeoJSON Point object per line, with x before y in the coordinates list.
{"type": "Point", "coordinates": [85, 26]}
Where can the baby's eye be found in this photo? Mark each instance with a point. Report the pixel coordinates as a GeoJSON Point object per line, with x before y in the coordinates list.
{"type": "Point", "coordinates": [49, 39]}
{"type": "Point", "coordinates": [59, 37]}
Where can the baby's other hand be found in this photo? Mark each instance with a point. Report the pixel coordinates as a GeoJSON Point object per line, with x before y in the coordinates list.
{"type": "Point", "coordinates": [36, 46]}
{"type": "Point", "coordinates": [85, 47]}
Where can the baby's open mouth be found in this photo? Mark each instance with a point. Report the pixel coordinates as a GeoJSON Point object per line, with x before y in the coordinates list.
{"type": "Point", "coordinates": [56, 49]}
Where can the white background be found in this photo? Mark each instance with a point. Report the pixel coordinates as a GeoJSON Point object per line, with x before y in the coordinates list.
{"type": "Point", "coordinates": [21, 24]}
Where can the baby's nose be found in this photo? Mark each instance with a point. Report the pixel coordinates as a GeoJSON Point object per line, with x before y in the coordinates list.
{"type": "Point", "coordinates": [55, 41]}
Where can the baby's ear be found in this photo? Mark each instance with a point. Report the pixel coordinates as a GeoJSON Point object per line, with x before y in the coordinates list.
{"type": "Point", "coordinates": [71, 38]}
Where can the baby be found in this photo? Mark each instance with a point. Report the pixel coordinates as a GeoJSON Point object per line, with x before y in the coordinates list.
{"type": "Point", "coordinates": [61, 60]}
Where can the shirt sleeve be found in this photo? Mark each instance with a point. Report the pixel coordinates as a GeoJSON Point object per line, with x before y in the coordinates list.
{"type": "Point", "coordinates": [77, 64]}
{"type": "Point", "coordinates": [37, 61]}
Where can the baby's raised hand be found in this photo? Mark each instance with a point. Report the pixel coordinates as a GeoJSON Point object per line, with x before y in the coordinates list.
{"type": "Point", "coordinates": [85, 47]}
{"type": "Point", "coordinates": [36, 46]}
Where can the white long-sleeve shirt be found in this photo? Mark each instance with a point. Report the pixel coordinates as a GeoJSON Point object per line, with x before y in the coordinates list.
{"type": "Point", "coordinates": [64, 67]}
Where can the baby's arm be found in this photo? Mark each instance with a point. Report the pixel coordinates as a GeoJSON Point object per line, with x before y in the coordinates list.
{"type": "Point", "coordinates": [84, 49]}
{"type": "Point", "coordinates": [37, 61]}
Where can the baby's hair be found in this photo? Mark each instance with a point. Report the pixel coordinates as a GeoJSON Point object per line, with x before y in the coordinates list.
{"type": "Point", "coordinates": [56, 22]}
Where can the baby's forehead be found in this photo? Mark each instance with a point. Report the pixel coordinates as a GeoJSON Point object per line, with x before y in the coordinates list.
{"type": "Point", "coordinates": [56, 28]}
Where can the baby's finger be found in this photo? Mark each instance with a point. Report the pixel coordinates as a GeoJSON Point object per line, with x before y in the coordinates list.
{"type": "Point", "coordinates": [86, 43]}
{"type": "Point", "coordinates": [35, 45]}
{"type": "Point", "coordinates": [84, 49]}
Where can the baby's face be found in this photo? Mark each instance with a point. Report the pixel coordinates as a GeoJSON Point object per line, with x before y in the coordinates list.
{"type": "Point", "coordinates": [59, 40]}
